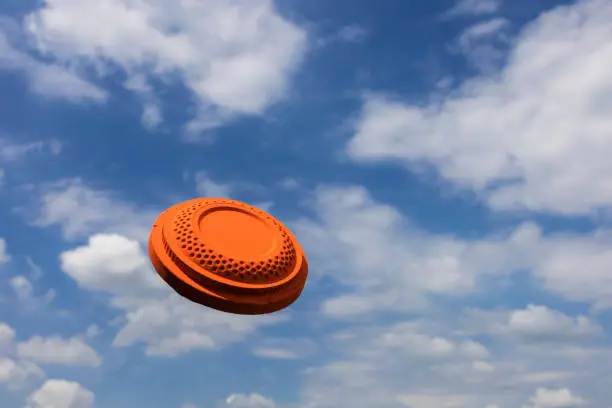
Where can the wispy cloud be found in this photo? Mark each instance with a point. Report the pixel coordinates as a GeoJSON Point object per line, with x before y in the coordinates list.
{"type": "Point", "coordinates": [472, 8]}
{"type": "Point", "coordinates": [47, 79]}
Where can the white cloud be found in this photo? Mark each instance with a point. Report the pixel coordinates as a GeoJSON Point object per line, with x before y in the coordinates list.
{"type": "Point", "coordinates": [542, 322]}
{"type": "Point", "coordinates": [4, 257]}
{"type": "Point", "coordinates": [547, 376]}
{"type": "Point", "coordinates": [7, 339]}
{"type": "Point", "coordinates": [555, 398]}
{"type": "Point", "coordinates": [481, 30]}
{"type": "Point", "coordinates": [180, 343]}
{"type": "Point", "coordinates": [15, 373]}
{"type": "Point", "coordinates": [111, 263]}
{"type": "Point", "coordinates": [236, 57]}
{"type": "Point", "coordinates": [482, 366]}
{"type": "Point", "coordinates": [25, 292]}
{"type": "Point", "coordinates": [253, 400]}
{"type": "Point", "coordinates": [18, 360]}
{"type": "Point", "coordinates": [275, 353]}
{"type": "Point", "coordinates": [172, 325]}
{"type": "Point", "coordinates": [289, 183]}
{"type": "Point", "coordinates": [35, 270]}
{"type": "Point", "coordinates": [483, 44]}
{"type": "Point", "coordinates": [12, 152]}
{"type": "Point", "coordinates": [152, 115]}
{"type": "Point", "coordinates": [207, 187]}
{"type": "Point", "coordinates": [535, 323]}
{"type": "Point", "coordinates": [81, 211]}
{"type": "Point", "coordinates": [433, 401]}
{"type": "Point", "coordinates": [56, 350]}
{"type": "Point", "coordinates": [474, 349]}
{"type": "Point", "coordinates": [285, 349]}
{"type": "Point", "coordinates": [57, 393]}
{"type": "Point", "coordinates": [352, 33]}
{"type": "Point", "coordinates": [22, 287]}
{"type": "Point", "coordinates": [407, 339]}
{"type": "Point", "coordinates": [535, 136]}
{"type": "Point", "coordinates": [564, 256]}
{"type": "Point", "coordinates": [93, 331]}
{"type": "Point", "coordinates": [473, 7]}
{"type": "Point", "coordinates": [46, 79]}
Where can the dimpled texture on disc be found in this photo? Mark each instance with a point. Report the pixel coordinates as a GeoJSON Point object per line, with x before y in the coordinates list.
{"type": "Point", "coordinates": [228, 255]}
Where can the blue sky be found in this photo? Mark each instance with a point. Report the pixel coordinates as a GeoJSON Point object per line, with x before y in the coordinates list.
{"type": "Point", "coordinates": [445, 165]}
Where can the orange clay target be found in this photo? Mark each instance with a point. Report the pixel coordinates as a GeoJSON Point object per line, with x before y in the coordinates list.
{"type": "Point", "coordinates": [228, 255]}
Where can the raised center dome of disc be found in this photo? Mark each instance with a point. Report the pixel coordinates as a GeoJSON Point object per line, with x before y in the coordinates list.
{"type": "Point", "coordinates": [236, 234]}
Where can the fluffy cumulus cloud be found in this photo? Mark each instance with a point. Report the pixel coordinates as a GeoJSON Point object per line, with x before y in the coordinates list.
{"type": "Point", "coordinates": [533, 324]}
{"type": "Point", "coordinates": [111, 263]}
{"type": "Point", "coordinates": [15, 372]}
{"type": "Point", "coordinates": [21, 361]}
{"type": "Point", "coordinates": [541, 321]}
{"type": "Point", "coordinates": [55, 350]}
{"type": "Point", "coordinates": [533, 136]}
{"type": "Point", "coordinates": [61, 394]}
{"type": "Point", "coordinates": [562, 397]}
{"type": "Point", "coordinates": [169, 326]}
{"type": "Point", "coordinates": [235, 57]}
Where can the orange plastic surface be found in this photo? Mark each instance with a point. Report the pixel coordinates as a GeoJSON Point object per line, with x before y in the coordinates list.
{"type": "Point", "coordinates": [228, 255]}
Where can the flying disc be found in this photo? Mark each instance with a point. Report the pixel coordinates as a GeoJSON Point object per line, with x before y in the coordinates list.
{"type": "Point", "coordinates": [228, 255]}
